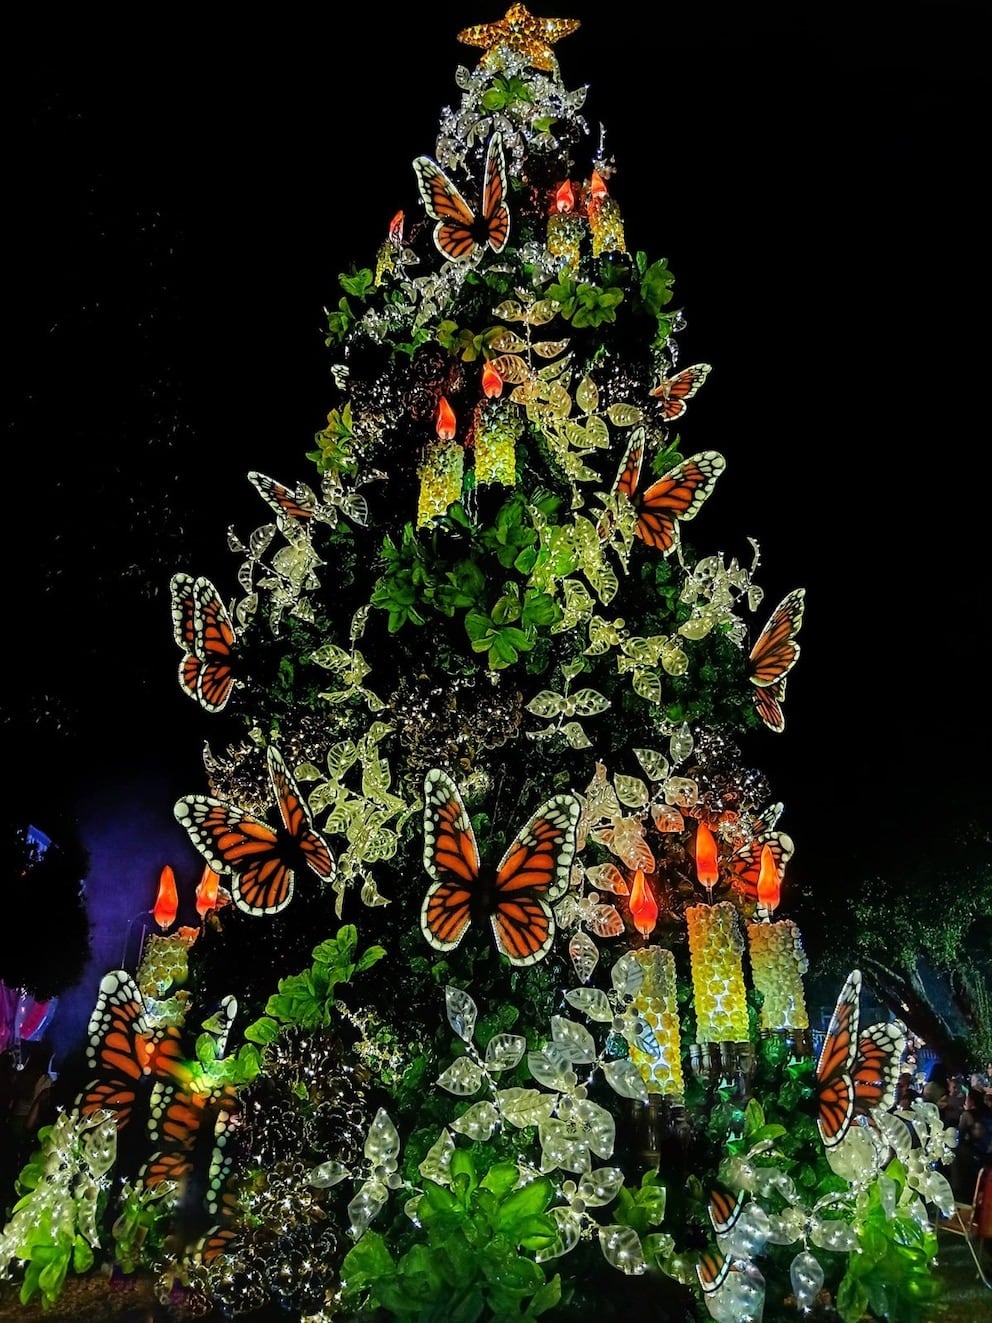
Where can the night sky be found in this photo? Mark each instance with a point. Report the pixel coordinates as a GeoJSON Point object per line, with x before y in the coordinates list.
{"type": "Point", "coordinates": [181, 201]}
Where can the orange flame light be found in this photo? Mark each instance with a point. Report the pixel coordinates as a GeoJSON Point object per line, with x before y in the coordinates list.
{"type": "Point", "coordinates": [707, 868]}
{"type": "Point", "coordinates": [445, 425]}
{"type": "Point", "coordinates": [597, 185]}
{"type": "Point", "coordinates": [167, 901]}
{"type": "Point", "coordinates": [564, 197]}
{"type": "Point", "coordinates": [769, 881]}
{"type": "Point", "coordinates": [643, 906]}
{"type": "Point", "coordinates": [206, 892]}
{"type": "Point", "coordinates": [492, 382]}
{"type": "Point", "coordinates": [396, 230]}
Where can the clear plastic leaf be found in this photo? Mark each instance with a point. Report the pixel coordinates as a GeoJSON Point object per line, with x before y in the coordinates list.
{"type": "Point", "coordinates": [523, 1107]}
{"type": "Point", "coordinates": [462, 1078]}
{"type": "Point", "coordinates": [383, 1142]}
{"type": "Point", "coordinates": [627, 975]}
{"type": "Point", "coordinates": [504, 1051]}
{"type": "Point", "coordinates": [625, 1079]}
{"type": "Point", "coordinates": [462, 1012]}
{"type": "Point", "coordinates": [436, 1165]}
{"type": "Point", "coordinates": [631, 791]}
{"type": "Point", "coordinates": [592, 1002]}
{"type": "Point", "coordinates": [655, 764]}
{"type": "Point", "coordinates": [569, 1233]}
{"type": "Point", "coordinates": [478, 1122]}
{"type": "Point", "coordinates": [621, 1248]}
{"type": "Point", "coordinates": [806, 1276]}
{"type": "Point", "coordinates": [584, 955]}
{"type": "Point", "coordinates": [574, 1040]}
{"type": "Point", "coordinates": [605, 921]}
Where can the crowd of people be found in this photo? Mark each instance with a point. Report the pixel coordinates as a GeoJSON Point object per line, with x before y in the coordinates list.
{"type": "Point", "coordinates": [965, 1105]}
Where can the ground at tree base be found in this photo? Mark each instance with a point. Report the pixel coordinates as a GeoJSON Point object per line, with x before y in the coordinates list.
{"type": "Point", "coordinates": [91, 1299]}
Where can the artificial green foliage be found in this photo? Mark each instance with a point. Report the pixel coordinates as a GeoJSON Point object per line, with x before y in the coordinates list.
{"type": "Point", "coordinates": [471, 1257]}
{"type": "Point", "coordinates": [584, 304]}
{"type": "Point", "coordinates": [307, 1000]}
{"type": "Point", "coordinates": [891, 1273]}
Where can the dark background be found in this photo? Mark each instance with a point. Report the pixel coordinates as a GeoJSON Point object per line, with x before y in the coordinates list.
{"type": "Point", "coordinates": [182, 197]}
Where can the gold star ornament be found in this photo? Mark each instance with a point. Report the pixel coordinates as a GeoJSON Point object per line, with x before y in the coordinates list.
{"type": "Point", "coordinates": [523, 33]}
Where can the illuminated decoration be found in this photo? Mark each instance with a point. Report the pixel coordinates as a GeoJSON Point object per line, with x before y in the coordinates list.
{"type": "Point", "coordinates": [565, 230]}
{"type": "Point", "coordinates": [164, 964]}
{"type": "Point", "coordinates": [643, 906]}
{"type": "Point", "coordinates": [492, 382]}
{"type": "Point", "coordinates": [655, 1002]}
{"type": "Point", "coordinates": [715, 949]}
{"type": "Point", "coordinates": [778, 963]}
{"type": "Point", "coordinates": [769, 881]}
{"type": "Point", "coordinates": [166, 905]}
{"type": "Point", "coordinates": [707, 865]}
{"type": "Point", "coordinates": [445, 423]}
{"type": "Point", "coordinates": [386, 256]}
{"type": "Point", "coordinates": [206, 892]}
{"type": "Point", "coordinates": [523, 34]}
{"type": "Point", "coordinates": [441, 476]}
{"type": "Point", "coordinates": [498, 429]}
{"type": "Point", "coordinates": [605, 220]}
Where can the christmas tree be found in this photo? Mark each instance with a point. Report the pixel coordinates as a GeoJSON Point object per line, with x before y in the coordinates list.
{"type": "Point", "coordinates": [489, 1014]}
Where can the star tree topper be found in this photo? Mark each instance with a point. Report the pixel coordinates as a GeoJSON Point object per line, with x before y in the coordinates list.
{"type": "Point", "coordinates": [523, 33]}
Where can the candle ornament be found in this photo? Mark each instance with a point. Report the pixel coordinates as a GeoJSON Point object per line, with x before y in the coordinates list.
{"type": "Point", "coordinates": [778, 963]}
{"type": "Point", "coordinates": [656, 1004]}
{"type": "Point", "coordinates": [715, 949]}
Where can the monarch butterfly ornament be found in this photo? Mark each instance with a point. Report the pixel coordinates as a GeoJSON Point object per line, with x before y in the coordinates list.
{"type": "Point", "coordinates": [676, 497]}
{"type": "Point", "coordinates": [773, 656]}
{"type": "Point", "coordinates": [461, 234]}
{"type": "Point", "coordinates": [203, 629]}
{"type": "Point", "coordinates": [674, 391]}
{"type": "Point", "coordinates": [516, 895]}
{"type": "Point", "coordinates": [123, 1052]}
{"type": "Point", "coordinates": [857, 1070]}
{"type": "Point", "coordinates": [263, 861]}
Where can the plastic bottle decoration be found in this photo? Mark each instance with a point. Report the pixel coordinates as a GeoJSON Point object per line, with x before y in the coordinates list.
{"type": "Point", "coordinates": [498, 428]}
{"type": "Point", "coordinates": [604, 219]}
{"type": "Point", "coordinates": [778, 963]}
{"type": "Point", "coordinates": [565, 230]}
{"type": "Point", "coordinates": [443, 469]}
{"type": "Point", "coordinates": [656, 1003]}
{"type": "Point", "coordinates": [715, 949]}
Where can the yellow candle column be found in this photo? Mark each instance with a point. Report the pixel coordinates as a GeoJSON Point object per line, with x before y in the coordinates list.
{"type": "Point", "coordinates": [441, 476]}
{"type": "Point", "coordinates": [715, 949]}
{"type": "Point", "coordinates": [655, 1003]}
{"type": "Point", "coordinates": [778, 963]}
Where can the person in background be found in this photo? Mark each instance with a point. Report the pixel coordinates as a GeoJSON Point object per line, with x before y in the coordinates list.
{"type": "Point", "coordinates": [953, 1101]}
{"type": "Point", "coordinates": [974, 1148]}
{"type": "Point", "coordinates": [905, 1093]}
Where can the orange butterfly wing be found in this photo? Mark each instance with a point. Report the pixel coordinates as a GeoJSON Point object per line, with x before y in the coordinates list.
{"type": "Point", "coordinates": [533, 871]}
{"type": "Point", "coordinates": [676, 496]}
{"type": "Point", "coordinates": [299, 504]}
{"type": "Point", "coordinates": [776, 650]}
{"type": "Point", "coordinates": [674, 391]}
{"type": "Point", "coordinates": [712, 1270]}
{"type": "Point", "coordinates": [202, 627]}
{"type": "Point", "coordinates": [768, 704]}
{"type": "Point", "coordinates": [834, 1085]}
{"type": "Point", "coordinates": [746, 862]}
{"type": "Point", "coordinates": [262, 861]}
{"type": "Point", "coordinates": [459, 233]}
{"type": "Point", "coordinates": [725, 1209]}
{"type": "Point", "coordinates": [118, 1049]}
{"type": "Point", "coordinates": [876, 1070]}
